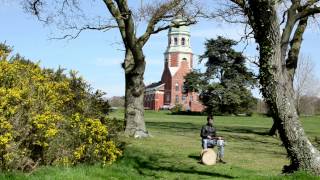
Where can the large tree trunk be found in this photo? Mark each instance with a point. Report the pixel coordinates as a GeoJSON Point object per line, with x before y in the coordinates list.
{"type": "Point", "coordinates": [134, 95]}
{"type": "Point", "coordinates": [278, 90]}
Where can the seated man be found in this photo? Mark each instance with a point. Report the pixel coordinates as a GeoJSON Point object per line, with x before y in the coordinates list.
{"type": "Point", "coordinates": [209, 139]}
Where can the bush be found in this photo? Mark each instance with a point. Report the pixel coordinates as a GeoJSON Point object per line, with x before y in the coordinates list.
{"type": "Point", "coordinates": [176, 108]}
{"type": "Point", "coordinates": [49, 118]}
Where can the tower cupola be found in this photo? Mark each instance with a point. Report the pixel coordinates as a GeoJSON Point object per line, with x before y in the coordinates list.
{"type": "Point", "coordinates": [179, 37]}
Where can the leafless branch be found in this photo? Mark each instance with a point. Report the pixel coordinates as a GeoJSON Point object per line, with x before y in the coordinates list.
{"type": "Point", "coordinates": [84, 28]}
{"type": "Point", "coordinates": [166, 10]}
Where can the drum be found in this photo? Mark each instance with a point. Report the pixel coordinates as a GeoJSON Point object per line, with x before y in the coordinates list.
{"type": "Point", "coordinates": [208, 157]}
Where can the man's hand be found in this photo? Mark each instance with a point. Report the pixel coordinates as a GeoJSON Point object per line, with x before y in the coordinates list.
{"type": "Point", "coordinates": [217, 138]}
{"type": "Point", "coordinates": [209, 137]}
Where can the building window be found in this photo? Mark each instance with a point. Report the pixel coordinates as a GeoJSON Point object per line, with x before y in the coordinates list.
{"type": "Point", "coordinates": [177, 99]}
{"type": "Point", "coordinates": [191, 98]}
{"type": "Point", "coordinates": [169, 41]}
{"type": "Point", "coordinates": [184, 88]}
{"type": "Point", "coordinates": [183, 41]}
{"type": "Point", "coordinates": [177, 87]}
{"type": "Point", "coordinates": [167, 98]}
{"type": "Point", "coordinates": [184, 59]}
{"type": "Point", "coordinates": [175, 41]}
{"type": "Point", "coordinates": [184, 98]}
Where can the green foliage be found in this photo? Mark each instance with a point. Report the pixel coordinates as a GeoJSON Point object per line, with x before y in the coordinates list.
{"type": "Point", "coordinates": [48, 118]}
{"type": "Point", "coordinates": [177, 108]}
{"type": "Point", "coordinates": [225, 85]}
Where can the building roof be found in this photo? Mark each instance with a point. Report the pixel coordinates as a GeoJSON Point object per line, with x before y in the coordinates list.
{"type": "Point", "coordinates": [154, 85]}
{"type": "Point", "coordinates": [181, 29]}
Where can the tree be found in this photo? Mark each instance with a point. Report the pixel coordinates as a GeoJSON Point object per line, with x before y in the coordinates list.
{"type": "Point", "coordinates": [116, 101]}
{"type": "Point", "coordinates": [225, 84]}
{"type": "Point", "coordinates": [278, 61]}
{"type": "Point", "coordinates": [69, 15]}
{"type": "Point", "coordinates": [305, 84]}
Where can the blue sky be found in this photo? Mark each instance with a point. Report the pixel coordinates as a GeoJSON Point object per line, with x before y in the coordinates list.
{"type": "Point", "coordinates": [97, 55]}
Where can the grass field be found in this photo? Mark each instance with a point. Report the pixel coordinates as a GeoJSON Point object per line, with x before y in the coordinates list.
{"type": "Point", "coordinates": [173, 152]}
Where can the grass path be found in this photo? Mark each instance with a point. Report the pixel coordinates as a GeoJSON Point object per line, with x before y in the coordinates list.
{"type": "Point", "coordinates": [173, 152]}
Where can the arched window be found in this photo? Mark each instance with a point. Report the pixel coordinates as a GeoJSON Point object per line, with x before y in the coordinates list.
{"type": "Point", "coordinates": [183, 41]}
{"type": "Point", "coordinates": [175, 41]}
{"type": "Point", "coordinates": [169, 41]}
{"type": "Point", "coordinates": [177, 87]}
{"type": "Point", "coordinates": [184, 59]}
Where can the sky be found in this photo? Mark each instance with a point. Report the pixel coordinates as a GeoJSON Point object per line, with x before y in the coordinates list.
{"type": "Point", "coordinates": [97, 56]}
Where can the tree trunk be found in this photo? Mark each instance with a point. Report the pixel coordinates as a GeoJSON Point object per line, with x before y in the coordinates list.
{"type": "Point", "coordinates": [278, 90]}
{"type": "Point", "coordinates": [273, 130]}
{"type": "Point", "coordinates": [134, 96]}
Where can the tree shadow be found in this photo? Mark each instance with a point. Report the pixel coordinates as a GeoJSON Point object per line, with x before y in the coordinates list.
{"type": "Point", "coordinates": [195, 157]}
{"type": "Point", "coordinates": [174, 126]}
{"type": "Point", "coordinates": [181, 126]}
{"type": "Point", "coordinates": [247, 130]}
{"type": "Point", "coordinates": [142, 165]}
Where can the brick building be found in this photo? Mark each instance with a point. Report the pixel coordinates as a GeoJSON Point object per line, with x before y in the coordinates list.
{"type": "Point", "coordinates": [177, 63]}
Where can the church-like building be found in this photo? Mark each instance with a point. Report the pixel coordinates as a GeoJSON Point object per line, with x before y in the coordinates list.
{"type": "Point", "coordinates": [168, 92]}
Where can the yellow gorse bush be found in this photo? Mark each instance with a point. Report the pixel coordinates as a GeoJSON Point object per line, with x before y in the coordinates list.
{"type": "Point", "coordinates": [94, 134]}
{"type": "Point", "coordinates": [49, 118]}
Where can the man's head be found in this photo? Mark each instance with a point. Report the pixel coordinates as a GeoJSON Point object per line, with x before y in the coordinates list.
{"type": "Point", "coordinates": [210, 120]}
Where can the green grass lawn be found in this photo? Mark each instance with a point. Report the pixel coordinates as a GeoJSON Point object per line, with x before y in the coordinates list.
{"type": "Point", "coordinates": [173, 152]}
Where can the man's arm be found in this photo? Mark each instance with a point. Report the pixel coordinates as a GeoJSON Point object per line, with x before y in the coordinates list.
{"type": "Point", "coordinates": [214, 133]}
{"type": "Point", "coordinates": [203, 133]}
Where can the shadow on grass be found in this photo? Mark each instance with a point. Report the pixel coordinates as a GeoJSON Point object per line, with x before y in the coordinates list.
{"type": "Point", "coordinates": [248, 130]}
{"type": "Point", "coordinates": [195, 157]}
{"type": "Point", "coordinates": [151, 165]}
{"type": "Point", "coordinates": [144, 167]}
{"type": "Point", "coordinates": [174, 126]}
{"type": "Point", "coordinates": [190, 127]}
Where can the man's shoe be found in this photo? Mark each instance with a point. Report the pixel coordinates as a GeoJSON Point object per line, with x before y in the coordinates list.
{"type": "Point", "coordinates": [222, 161]}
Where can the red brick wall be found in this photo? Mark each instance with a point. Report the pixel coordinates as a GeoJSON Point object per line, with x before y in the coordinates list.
{"type": "Point", "coordinates": [158, 101]}
{"type": "Point", "coordinates": [153, 101]}
{"type": "Point", "coordinates": [193, 105]}
{"type": "Point", "coordinates": [174, 59]}
{"type": "Point", "coordinates": [170, 86]}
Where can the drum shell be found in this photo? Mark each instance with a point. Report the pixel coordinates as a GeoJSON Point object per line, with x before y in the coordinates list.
{"type": "Point", "coordinates": [208, 157]}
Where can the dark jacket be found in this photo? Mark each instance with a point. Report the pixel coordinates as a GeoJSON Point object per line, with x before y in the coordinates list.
{"type": "Point", "coordinates": [208, 130]}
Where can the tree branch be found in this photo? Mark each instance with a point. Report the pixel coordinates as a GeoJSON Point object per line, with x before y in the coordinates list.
{"type": "Point", "coordinates": [84, 28]}
{"type": "Point", "coordinates": [157, 16]}
{"type": "Point", "coordinates": [241, 3]}
{"type": "Point", "coordinates": [295, 45]}
{"type": "Point", "coordinates": [117, 15]}
{"type": "Point", "coordinates": [308, 9]}
{"type": "Point", "coordinates": [287, 30]}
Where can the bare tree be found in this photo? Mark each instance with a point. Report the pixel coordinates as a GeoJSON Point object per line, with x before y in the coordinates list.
{"type": "Point", "coordinates": [69, 16]}
{"type": "Point", "coordinates": [278, 61]}
{"type": "Point", "coordinates": [305, 83]}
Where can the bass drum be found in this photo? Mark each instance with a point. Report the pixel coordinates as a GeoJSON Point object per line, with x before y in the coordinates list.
{"type": "Point", "coordinates": [208, 157]}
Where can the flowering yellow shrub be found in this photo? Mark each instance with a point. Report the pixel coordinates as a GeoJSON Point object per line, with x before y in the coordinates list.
{"type": "Point", "coordinates": [94, 136]}
{"type": "Point", "coordinates": [50, 118]}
